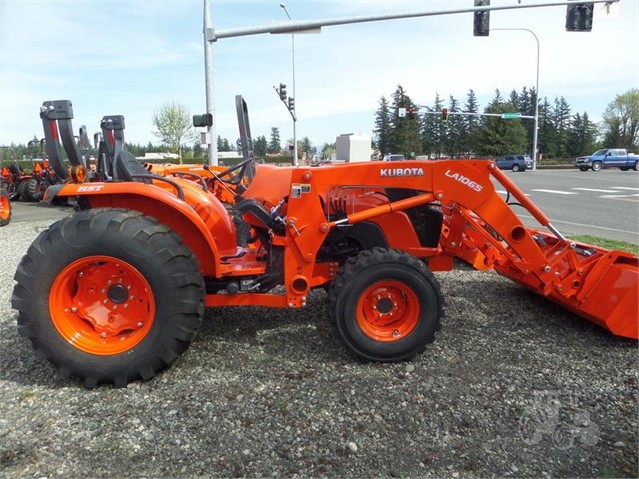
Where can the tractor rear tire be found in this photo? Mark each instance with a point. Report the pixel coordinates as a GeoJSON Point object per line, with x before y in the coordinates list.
{"type": "Point", "coordinates": [109, 296]}
{"type": "Point", "coordinates": [385, 305]}
{"type": "Point", "coordinates": [21, 191]}
{"type": "Point", "coordinates": [5, 207]}
{"type": "Point", "coordinates": [36, 188]}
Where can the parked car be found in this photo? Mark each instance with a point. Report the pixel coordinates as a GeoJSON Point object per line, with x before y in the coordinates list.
{"type": "Point", "coordinates": [608, 158]}
{"type": "Point", "coordinates": [394, 157]}
{"type": "Point", "coordinates": [514, 162]}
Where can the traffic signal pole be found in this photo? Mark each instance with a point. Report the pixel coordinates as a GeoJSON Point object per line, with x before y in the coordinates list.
{"type": "Point", "coordinates": [210, 93]}
{"type": "Point", "coordinates": [212, 35]}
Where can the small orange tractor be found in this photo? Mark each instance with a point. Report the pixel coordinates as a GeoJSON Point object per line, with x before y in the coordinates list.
{"type": "Point", "coordinates": [116, 291]}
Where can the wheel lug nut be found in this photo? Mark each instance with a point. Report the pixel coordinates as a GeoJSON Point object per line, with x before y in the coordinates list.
{"type": "Point", "coordinates": [74, 310]}
{"type": "Point", "coordinates": [140, 325]}
{"type": "Point", "coordinates": [396, 333]}
{"type": "Point", "coordinates": [104, 335]}
{"type": "Point", "coordinates": [104, 301]}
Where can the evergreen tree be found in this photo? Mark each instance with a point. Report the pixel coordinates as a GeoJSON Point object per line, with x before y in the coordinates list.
{"type": "Point", "coordinates": [469, 136]}
{"type": "Point", "coordinates": [274, 145]}
{"type": "Point", "coordinates": [434, 130]}
{"type": "Point", "coordinates": [260, 146]}
{"type": "Point", "coordinates": [223, 144]}
{"type": "Point", "coordinates": [383, 127]}
{"type": "Point", "coordinates": [405, 137]}
{"type": "Point", "coordinates": [455, 130]}
{"type": "Point", "coordinates": [501, 137]}
{"type": "Point", "coordinates": [305, 145]}
{"type": "Point", "coordinates": [582, 137]}
{"type": "Point", "coordinates": [527, 100]}
{"type": "Point", "coordinates": [562, 120]}
{"type": "Point", "coordinates": [546, 129]}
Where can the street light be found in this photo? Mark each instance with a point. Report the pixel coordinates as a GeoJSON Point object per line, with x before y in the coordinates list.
{"type": "Point", "coordinates": [283, 6]}
{"type": "Point", "coordinates": [536, 127]}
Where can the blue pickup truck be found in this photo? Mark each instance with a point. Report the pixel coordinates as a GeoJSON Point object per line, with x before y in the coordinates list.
{"type": "Point", "coordinates": [608, 158]}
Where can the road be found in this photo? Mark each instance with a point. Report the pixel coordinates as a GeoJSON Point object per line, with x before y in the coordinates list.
{"type": "Point", "coordinates": [604, 204]}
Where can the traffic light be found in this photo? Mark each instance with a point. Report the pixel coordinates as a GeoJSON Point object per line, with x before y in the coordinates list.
{"type": "Point", "coordinates": [579, 17]}
{"type": "Point", "coordinates": [282, 92]}
{"type": "Point", "coordinates": [444, 114]}
{"type": "Point", "coordinates": [291, 104]}
{"type": "Point", "coordinates": [481, 21]}
{"type": "Point", "coordinates": [203, 120]}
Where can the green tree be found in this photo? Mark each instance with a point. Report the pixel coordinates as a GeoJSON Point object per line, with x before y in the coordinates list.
{"type": "Point", "coordinates": [469, 135]}
{"type": "Point", "coordinates": [173, 123]}
{"type": "Point", "coordinates": [455, 133]}
{"type": "Point", "coordinates": [433, 132]}
{"type": "Point", "coordinates": [562, 122]}
{"type": "Point", "coordinates": [620, 124]}
{"type": "Point", "coordinates": [260, 146]}
{"type": "Point", "coordinates": [383, 127]}
{"type": "Point", "coordinates": [274, 145]}
{"type": "Point", "coordinates": [405, 137]}
{"type": "Point", "coordinates": [527, 99]}
{"type": "Point", "coordinates": [546, 129]}
{"type": "Point", "coordinates": [305, 145]}
{"type": "Point", "coordinates": [223, 144]}
{"type": "Point", "coordinates": [327, 151]}
{"type": "Point", "coordinates": [583, 136]}
{"type": "Point", "coordinates": [501, 137]}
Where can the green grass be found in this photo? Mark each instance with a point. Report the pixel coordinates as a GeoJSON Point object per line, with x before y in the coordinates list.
{"type": "Point", "coordinates": [607, 243]}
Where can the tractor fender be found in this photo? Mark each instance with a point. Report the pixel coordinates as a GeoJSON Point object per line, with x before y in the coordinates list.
{"type": "Point", "coordinates": [201, 220]}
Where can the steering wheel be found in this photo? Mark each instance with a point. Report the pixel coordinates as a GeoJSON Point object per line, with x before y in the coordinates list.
{"type": "Point", "coordinates": [237, 179]}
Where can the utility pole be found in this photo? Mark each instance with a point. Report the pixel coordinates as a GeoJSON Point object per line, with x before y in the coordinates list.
{"type": "Point", "coordinates": [291, 105]}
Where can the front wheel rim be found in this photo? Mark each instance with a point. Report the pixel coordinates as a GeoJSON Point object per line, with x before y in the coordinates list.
{"type": "Point", "coordinates": [102, 305]}
{"type": "Point", "coordinates": [388, 311]}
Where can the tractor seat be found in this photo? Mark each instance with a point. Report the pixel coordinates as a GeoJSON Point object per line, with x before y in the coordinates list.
{"type": "Point", "coordinates": [126, 166]}
{"type": "Point", "coordinates": [15, 171]}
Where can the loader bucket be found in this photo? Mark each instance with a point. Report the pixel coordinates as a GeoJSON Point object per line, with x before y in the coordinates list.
{"type": "Point", "coordinates": [595, 283]}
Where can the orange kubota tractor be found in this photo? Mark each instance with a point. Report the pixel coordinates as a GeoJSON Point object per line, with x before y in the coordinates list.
{"type": "Point", "coordinates": [116, 291]}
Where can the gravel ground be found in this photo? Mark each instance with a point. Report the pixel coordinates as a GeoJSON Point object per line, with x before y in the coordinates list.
{"type": "Point", "coordinates": [512, 387]}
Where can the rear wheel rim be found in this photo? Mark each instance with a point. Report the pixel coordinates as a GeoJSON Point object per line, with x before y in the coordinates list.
{"type": "Point", "coordinates": [388, 311]}
{"type": "Point", "coordinates": [102, 305]}
{"type": "Point", "coordinates": [4, 208]}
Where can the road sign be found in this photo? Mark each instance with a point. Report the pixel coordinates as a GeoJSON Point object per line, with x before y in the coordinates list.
{"type": "Point", "coordinates": [510, 116]}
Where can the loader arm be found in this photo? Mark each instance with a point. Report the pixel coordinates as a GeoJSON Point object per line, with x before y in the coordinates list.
{"type": "Point", "coordinates": [480, 228]}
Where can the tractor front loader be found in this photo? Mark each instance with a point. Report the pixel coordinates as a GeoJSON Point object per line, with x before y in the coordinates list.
{"type": "Point", "coordinates": [116, 292]}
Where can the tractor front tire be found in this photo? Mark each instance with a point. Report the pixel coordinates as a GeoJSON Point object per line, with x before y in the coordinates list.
{"type": "Point", "coordinates": [109, 296]}
{"type": "Point", "coordinates": [5, 207]}
{"type": "Point", "coordinates": [385, 305]}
